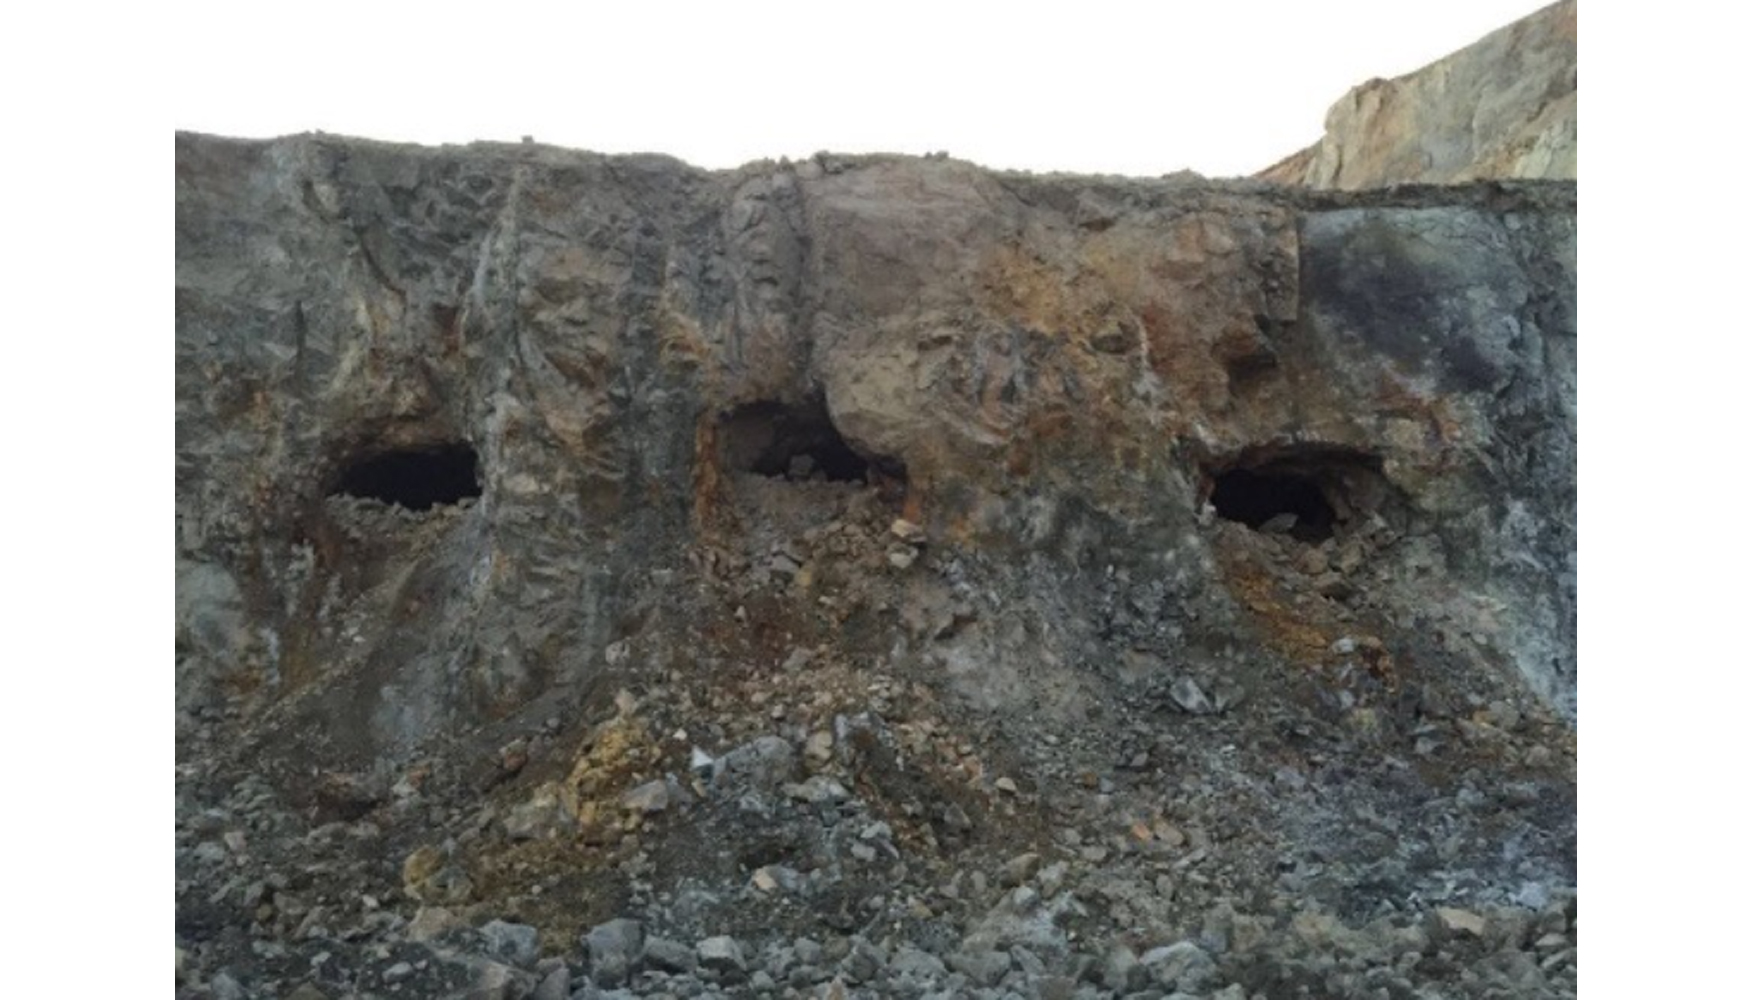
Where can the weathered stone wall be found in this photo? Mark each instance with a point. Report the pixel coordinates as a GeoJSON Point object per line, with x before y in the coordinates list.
{"type": "Point", "coordinates": [1046, 373]}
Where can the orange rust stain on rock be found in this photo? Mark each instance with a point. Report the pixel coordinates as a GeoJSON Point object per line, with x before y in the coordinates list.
{"type": "Point", "coordinates": [707, 475]}
{"type": "Point", "coordinates": [1020, 287]}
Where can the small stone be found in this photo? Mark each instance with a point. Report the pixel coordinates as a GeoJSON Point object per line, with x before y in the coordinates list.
{"type": "Point", "coordinates": [647, 799]}
{"type": "Point", "coordinates": [1190, 698]}
{"type": "Point", "coordinates": [224, 987]}
{"type": "Point", "coordinates": [764, 763]}
{"type": "Point", "coordinates": [764, 881]}
{"type": "Point", "coordinates": [430, 923]}
{"type": "Point", "coordinates": [421, 865]}
{"type": "Point", "coordinates": [901, 557]}
{"type": "Point", "coordinates": [1504, 715]}
{"type": "Point", "coordinates": [865, 962]}
{"type": "Point", "coordinates": [397, 972]}
{"type": "Point", "coordinates": [1551, 942]}
{"type": "Point", "coordinates": [722, 954]}
{"type": "Point", "coordinates": [517, 944]}
{"type": "Point", "coordinates": [1169, 834]}
{"type": "Point", "coordinates": [542, 815]}
{"type": "Point", "coordinates": [906, 531]}
{"type": "Point", "coordinates": [612, 948]}
{"type": "Point", "coordinates": [1051, 878]}
{"type": "Point", "coordinates": [818, 790]}
{"type": "Point", "coordinates": [1457, 921]}
{"type": "Point", "coordinates": [496, 981]}
{"type": "Point", "coordinates": [985, 968]}
{"type": "Point", "coordinates": [1281, 524]}
{"type": "Point", "coordinates": [556, 986]}
{"type": "Point", "coordinates": [1019, 869]}
{"type": "Point", "coordinates": [819, 748]}
{"type": "Point", "coordinates": [917, 964]}
{"type": "Point", "coordinates": [1007, 785]}
{"type": "Point", "coordinates": [1182, 966]}
{"type": "Point", "coordinates": [1122, 973]}
{"type": "Point", "coordinates": [670, 956]}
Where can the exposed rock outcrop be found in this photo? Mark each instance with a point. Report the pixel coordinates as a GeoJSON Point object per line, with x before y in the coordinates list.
{"type": "Point", "coordinates": [1504, 107]}
{"type": "Point", "coordinates": [564, 538]}
{"type": "Point", "coordinates": [1046, 370]}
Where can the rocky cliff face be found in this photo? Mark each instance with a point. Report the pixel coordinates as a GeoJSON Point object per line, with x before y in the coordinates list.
{"type": "Point", "coordinates": [513, 479]}
{"type": "Point", "coordinates": [1504, 107]}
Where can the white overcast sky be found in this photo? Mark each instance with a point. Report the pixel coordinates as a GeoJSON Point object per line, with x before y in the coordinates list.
{"type": "Point", "coordinates": [1222, 88]}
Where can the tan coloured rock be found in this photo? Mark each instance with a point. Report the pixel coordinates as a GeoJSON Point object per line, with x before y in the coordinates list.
{"type": "Point", "coordinates": [1506, 106]}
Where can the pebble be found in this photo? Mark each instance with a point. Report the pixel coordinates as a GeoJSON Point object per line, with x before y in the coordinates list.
{"type": "Point", "coordinates": [818, 790]}
{"type": "Point", "coordinates": [647, 799]}
{"type": "Point", "coordinates": [1122, 972]}
{"type": "Point", "coordinates": [1018, 869]}
{"type": "Point", "coordinates": [906, 531]}
{"type": "Point", "coordinates": [669, 956]}
{"type": "Point", "coordinates": [819, 747]}
{"type": "Point", "coordinates": [1461, 922]}
{"type": "Point", "coordinates": [431, 922]}
{"type": "Point", "coordinates": [1183, 965]}
{"type": "Point", "coordinates": [555, 986]}
{"type": "Point", "coordinates": [1190, 698]}
{"type": "Point", "coordinates": [225, 987]}
{"type": "Point", "coordinates": [722, 954]}
{"type": "Point", "coordinates": [985, 968]}
{"type": "Point", "coordinates": [612, 948]}
{"type": "Point", "coordinates": [518, 944]}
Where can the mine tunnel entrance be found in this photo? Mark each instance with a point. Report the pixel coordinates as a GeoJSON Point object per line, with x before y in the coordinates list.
{"type": "Point", "coordinates": [1305, 492]}
{"type": "Point", "coordinates": [415, 478]}
{"type": "Point", "coordinates": [796, 443]}
{"type": "Point", "coordinates": [1256, 499]}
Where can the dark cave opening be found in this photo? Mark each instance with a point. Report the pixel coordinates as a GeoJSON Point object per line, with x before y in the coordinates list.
{"type": "Point", "coordinates": [415, 478]}
{"type": "Point", "coordinates": [1256, 499]}
{"type": "Point", "coordinates": [1308, 492]}
{"type": "Point", "coordinates": [795, 442]}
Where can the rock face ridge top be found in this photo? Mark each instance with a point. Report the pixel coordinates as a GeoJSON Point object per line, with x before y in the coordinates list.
{"type": "Point", "coordinates": [1504, 107]}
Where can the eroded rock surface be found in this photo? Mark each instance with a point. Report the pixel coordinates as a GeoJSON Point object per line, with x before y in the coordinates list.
{"type": "Point", "coordinates": [1504, 107]}
{"type": "Point", "coordinates": [770, 556]}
